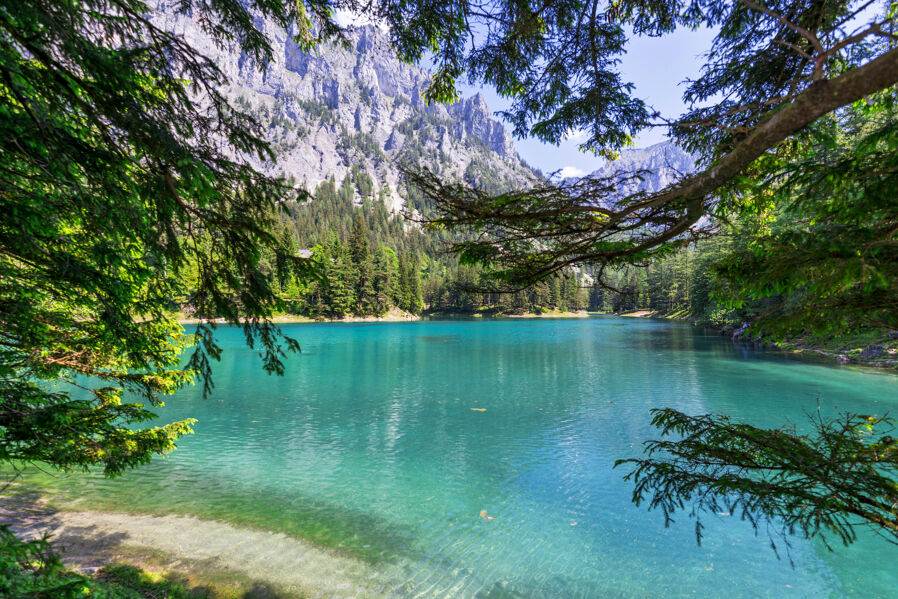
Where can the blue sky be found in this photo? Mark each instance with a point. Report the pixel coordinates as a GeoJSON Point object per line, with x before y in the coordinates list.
{"type": "Point", "coordinates": [657, 66]}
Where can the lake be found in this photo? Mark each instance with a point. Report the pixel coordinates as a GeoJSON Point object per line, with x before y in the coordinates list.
{"type": "Point", "coordinates": [383, 443]}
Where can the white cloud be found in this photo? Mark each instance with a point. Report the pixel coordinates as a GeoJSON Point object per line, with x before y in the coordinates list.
{"type": "Point", "coordinates": [577, 135]}
{"type": "Point", "coordinates": [570, 171]}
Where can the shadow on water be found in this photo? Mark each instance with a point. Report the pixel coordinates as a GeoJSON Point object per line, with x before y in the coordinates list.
{"type": "Point", "coordinates": [353, 533]}
{"type": "Point", "coordinates": [106, 556]}
{"type": "Point", "coordinates": [655, 335]}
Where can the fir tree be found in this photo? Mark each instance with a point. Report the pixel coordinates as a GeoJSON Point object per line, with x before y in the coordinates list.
{"type": "Point", "coordinates": [554, 298]}
{"type": "Point", "coordinates": [337, 293]}
{"type": "Point", "coordinates": [283, 260]}
{"type": "Point", "coordinates": [122, 161]}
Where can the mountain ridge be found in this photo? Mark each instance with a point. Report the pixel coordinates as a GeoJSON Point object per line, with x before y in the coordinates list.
{"type": "Point", "coordinates": [337, 112]}
{"type": "Point", "coordinates": [334, 112]}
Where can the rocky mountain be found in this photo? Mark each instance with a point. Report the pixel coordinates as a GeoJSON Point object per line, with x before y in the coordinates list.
{"type": "Point", "coordinates": [665, 163]}
{"type": "Point", "coordinates": [359, 110]}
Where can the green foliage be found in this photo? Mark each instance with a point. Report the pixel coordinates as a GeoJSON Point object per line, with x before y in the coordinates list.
{"type": "Point", "coordinates": [125, 175]}
{"type": "Point", "coordinates": [30, 569]}
{"type": "Point", "coordinates": [126, 187]}
{"type": "Point", "coordinates": [362, 245]}
{"type": "Point", "coordinates": [832, 482]}
{"type": "Point", "coordinates": [385, 284]}
{"type": "Point", "coordinates": [684, 283]}
{"type": "Point", "coordinates": [554, 60]}
{"type": "Point", "coordinates": [775, 68]}
{"type": "Point", "coordinates": [831, 248]}
{"type": "Point", "coordinates": [364, 266]}
{"type": "Point", "coordinates": [340, 235]}
{"type": "Point", "coordinates": [816, 257]}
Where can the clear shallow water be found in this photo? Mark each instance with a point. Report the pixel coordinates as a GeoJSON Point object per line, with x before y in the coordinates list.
{"type": "Point", "coordinates": [369, 445]}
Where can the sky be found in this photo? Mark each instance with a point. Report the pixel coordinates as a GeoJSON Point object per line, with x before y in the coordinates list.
{"type": "Point", "coordinates": [657, 66]}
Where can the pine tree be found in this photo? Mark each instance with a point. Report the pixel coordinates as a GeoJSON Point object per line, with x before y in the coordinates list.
{"type": "Point", "coordinates": [338, 296]}
{"type": "Point", "coordinates": [573, 295]}
{"type": "Point", "coordinates": [283, 264]}
{"type": "Point", "coordinates": [363, 277]}
{"type": "Point", "coordinates": [385, 280]}
{"type": "Point", "coordinates": [411, 298]}
{"type": "Point", "coordinates": [596, 297]}
{"type": "Point", "coordinates": [415, 298]}
{"type": "Point", "coordinates": [554, 298]}
{"type": "Point", "coordinates": [347, 190]}
{"type": "Point", "coordinates": [404, 284]}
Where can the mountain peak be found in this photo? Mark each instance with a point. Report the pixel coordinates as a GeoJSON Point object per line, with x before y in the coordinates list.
{"type": "Point", "coordinates": [476, 120]}
{"type": "Point", "coordinates": [665, 162]}
{"type": "Point", "coordinates": [478, 100]}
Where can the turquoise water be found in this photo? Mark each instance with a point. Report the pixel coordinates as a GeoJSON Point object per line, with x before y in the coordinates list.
{"type": "Point", "coordinates": [371, 445]}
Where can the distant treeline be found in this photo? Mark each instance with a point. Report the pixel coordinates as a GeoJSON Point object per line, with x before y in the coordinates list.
{"type": "Point", "coordinates": [371, 261]}
{"type": "Point", "coordinates": [683, 284]}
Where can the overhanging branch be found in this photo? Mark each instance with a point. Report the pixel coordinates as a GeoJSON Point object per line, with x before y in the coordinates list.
{"type": "Point", "coordinates": [534, 233]}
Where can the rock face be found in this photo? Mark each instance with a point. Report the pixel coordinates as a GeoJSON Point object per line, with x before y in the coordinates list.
{"type": "Point", "coordinates": [665, 162]}
{"type": "Point", "coordinates": [337, 109]}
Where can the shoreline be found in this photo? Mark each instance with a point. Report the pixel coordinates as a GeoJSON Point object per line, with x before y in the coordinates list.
{"type": "Point", "coordinates": [396, 316]}
{"type": "Point", "coordinates": [577, 314]}
{"type": "Point", "coordinates": [228, 559]}
{"type": "Point", "coordinates": [789, 348]}
{"type": "Point", "coordinates": [793, 349]}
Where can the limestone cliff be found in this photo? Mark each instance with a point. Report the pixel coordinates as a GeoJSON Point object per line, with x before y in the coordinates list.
{"type": "Point", "coordinates": [340, 108]}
